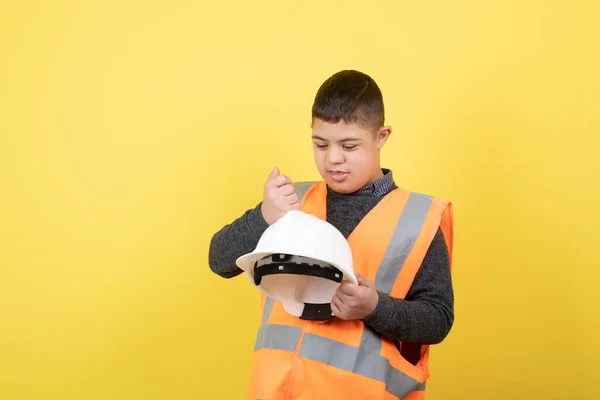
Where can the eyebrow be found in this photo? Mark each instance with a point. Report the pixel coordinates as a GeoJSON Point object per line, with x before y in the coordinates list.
{"type": "Point", "coordinates": [346, 139]}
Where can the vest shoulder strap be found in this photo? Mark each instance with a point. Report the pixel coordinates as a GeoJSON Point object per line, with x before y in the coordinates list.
{"type": "Point", "coordinates": [302, 188]}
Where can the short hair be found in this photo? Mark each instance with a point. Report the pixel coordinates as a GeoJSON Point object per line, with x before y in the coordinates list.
{"type": "Point", "coordinates": [350, 96]}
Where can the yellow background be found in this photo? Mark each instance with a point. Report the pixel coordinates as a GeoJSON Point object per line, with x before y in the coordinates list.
{"type": "Point", "coordinates": [131, 131]}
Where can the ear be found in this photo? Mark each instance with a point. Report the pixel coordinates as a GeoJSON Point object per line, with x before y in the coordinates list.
{"type": "Point", "coordinates": [382, 135]}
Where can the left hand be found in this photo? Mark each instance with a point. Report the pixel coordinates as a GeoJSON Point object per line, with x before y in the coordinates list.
{"type": "Point", "coordinates": [355, 301]}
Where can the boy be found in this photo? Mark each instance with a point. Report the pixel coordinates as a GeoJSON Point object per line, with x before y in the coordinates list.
{"type": "Point", "coordinates": [377, 345]}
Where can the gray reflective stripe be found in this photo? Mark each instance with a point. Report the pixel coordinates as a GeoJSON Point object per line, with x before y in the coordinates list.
{"type": "Point", "coordinates": [364, 360]}
{"type": "Point", "coordinates": [301, 188]}
{"type": "Point", "coordinates": [272, 336]}
{"type": "Point", "coordinates": [278, 337]}
{"type": "Point", "coordinates": [408, 227]}
{"type": "Point", "coordinates": [263, 323]}
{"type": "Point", "coordinates": [267, 310]}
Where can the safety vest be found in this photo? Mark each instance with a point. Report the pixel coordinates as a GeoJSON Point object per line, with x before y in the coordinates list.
{"type": "Point", "coordinates": [341, 360]}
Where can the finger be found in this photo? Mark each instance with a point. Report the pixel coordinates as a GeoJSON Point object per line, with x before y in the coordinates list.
{"type": "Point", "coordinates": [287, 189]}
{"type": "Point", "coordinates": [363, 280]}
{"type": "Point", "coordinates": [279, 181]}
{"type": "Point", "coordinates": [293, 199]}
{"type": "Point", "coordinates": [339, 296]}
{"type": "Point", "coordinates": [348, 289]}
{"type": "Point", "coordinates": [337, 307]}
{"type": "Point", "coordinates": [335, 310]}
{"type": "Point", "coordinates": [346, 301]}
{"type": "Point", "coordinates": [273, 174]}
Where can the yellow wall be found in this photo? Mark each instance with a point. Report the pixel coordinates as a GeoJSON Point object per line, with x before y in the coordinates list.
{"type": "Point", "coordinates": [131, 131]}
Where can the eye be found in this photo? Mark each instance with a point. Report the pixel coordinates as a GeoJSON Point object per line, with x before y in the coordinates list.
{"type": "Point", "coordinates": [320, 146]}
{"type": "Point", "coordinates": [350, 146]}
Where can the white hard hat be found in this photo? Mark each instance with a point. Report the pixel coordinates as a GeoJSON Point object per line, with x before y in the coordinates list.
{"type": "Point", "coordinates": [300, 260]}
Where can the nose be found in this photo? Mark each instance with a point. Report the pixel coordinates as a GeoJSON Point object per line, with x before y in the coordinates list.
{"type": "Point", "coordinates": [335, 155]}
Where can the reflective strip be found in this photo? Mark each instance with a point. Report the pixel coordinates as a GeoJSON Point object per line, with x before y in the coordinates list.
{"type": "Point", "coordinates": [272, 336]}
{"type": "Point", "coordinates": [409, 225]}
{"type": "Point", "coordinates": [260, 336]}
{"type": "Point", "coordinates": [266, 310]}
{"type": "Point", "coordinates": [301, 188]}
{"type": "Point", "coordinates": [364, 360]}
{"type": "Point", "coordinates": [278, 337]}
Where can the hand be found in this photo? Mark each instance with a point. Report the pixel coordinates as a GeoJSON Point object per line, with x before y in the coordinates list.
{"type": "Point", "coordinates": [279, 197]}
{"type": "Point", "coordinates": [355, 301]}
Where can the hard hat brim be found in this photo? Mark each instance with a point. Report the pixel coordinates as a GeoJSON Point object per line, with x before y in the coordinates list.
{"type": "Point", "coordinates": [247, 262]}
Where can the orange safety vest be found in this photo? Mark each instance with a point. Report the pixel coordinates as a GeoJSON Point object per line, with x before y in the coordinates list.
{"type": "Point", "coordinates": [341, 360]}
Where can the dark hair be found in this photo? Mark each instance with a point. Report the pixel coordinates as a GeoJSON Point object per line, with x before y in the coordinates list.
{"type": "Point", "coordinates": [350, 96]}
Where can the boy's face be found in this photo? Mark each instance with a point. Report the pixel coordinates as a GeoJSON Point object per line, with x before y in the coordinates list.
{"type": "Point", "coordinates": [347, 155]}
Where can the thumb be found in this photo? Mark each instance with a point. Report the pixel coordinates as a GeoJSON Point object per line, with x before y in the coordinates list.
{"type": "Point", "coordinates": [273, 174]}
{"type": "Point", "coordinates": [363, 280]}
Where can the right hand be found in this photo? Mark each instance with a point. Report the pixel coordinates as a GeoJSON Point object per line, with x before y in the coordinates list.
{"type": "Point", "coordinates": [279, 197]}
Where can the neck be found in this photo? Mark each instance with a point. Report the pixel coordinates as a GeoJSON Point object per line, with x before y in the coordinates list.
{"type": "Point", "coordinates": [378, 174]}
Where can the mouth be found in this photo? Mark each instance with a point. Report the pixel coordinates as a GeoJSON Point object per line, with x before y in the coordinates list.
{"type": "Point", "coordinates": [337, 176]}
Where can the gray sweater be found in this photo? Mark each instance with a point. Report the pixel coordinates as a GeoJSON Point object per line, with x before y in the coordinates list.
{"type": "Point", "coordinates": [426, 314]}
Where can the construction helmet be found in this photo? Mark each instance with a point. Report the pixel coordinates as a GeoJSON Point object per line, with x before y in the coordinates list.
{"type": "Point", "coordinates": [300, 260]}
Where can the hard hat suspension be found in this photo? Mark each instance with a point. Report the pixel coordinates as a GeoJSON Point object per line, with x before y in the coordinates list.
{"type": "Point", "coordinates": [285, 264]}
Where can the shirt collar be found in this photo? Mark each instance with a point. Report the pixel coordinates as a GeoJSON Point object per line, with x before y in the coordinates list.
{"type": "Point", "coordinates": [377, 188]}
{"type": "Point", "coordinates": [381, 186]}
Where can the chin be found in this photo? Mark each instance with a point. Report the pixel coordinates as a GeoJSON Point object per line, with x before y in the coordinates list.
{"type": "Point", "coordinates": [343, 187]}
